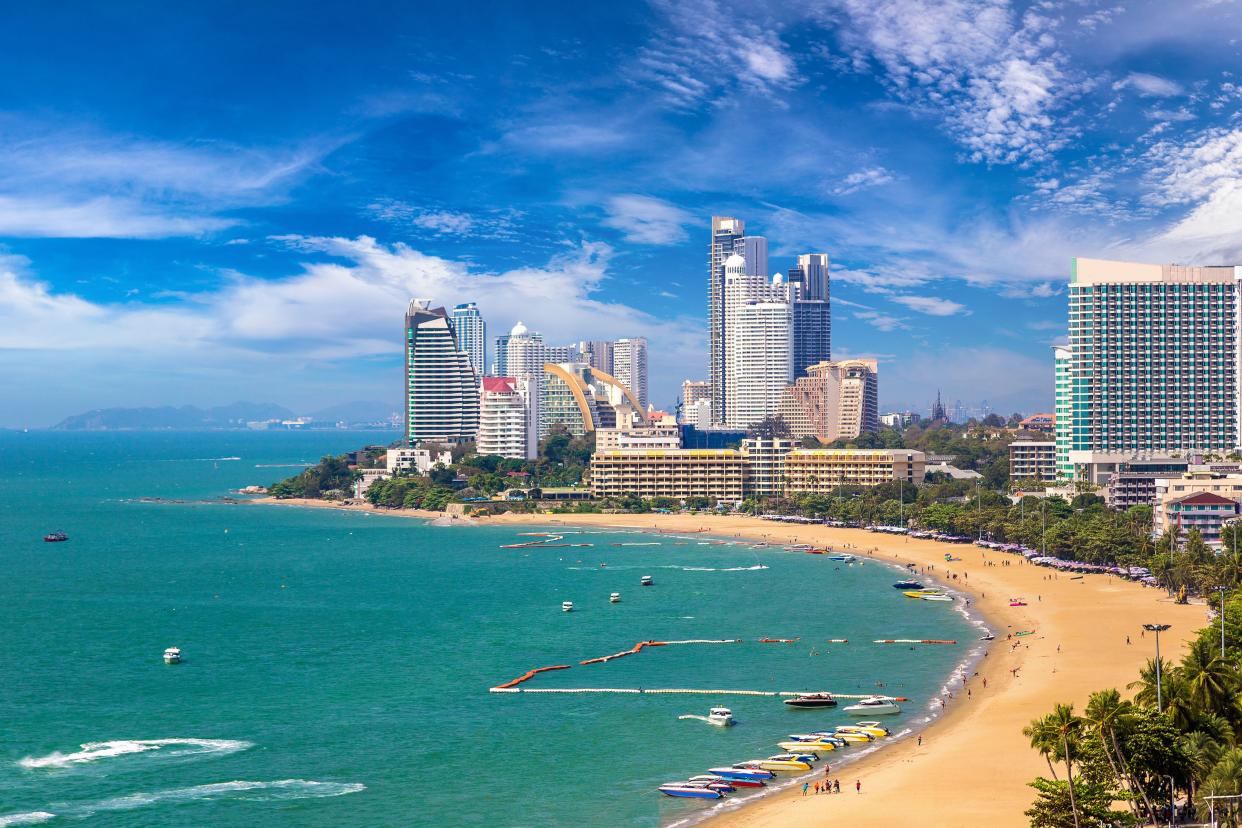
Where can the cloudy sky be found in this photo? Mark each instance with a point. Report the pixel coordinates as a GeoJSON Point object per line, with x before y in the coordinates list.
{"type": "Point", "coordinates": [212, 202]}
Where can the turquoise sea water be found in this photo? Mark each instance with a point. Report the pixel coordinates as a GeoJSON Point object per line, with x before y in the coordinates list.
{"type": "Point", "coordinates": [337, 664]}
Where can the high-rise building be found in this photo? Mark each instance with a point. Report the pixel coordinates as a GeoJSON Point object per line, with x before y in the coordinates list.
{"type": "Point", "coordinates": [597, 353]}
{"type": "Point", "coordinates": [835, 401]}
{"type": "Point", "coordinates": [629, 366]}
{"type": "Point", "coordinates": [441, 390]}
{"type": "Point", "coordinates": [757, 345]}
{"type": "Point", "coordinates": [1152, 361]}
{"type": "Point", "coordinates": [727, 234]}
{"type": "Point", "coordinates": [509, 418]}
{"type": "Point", "coordinates": [814, 270]}
{"type": "Point", "coordinates": [689, 409]}
{"type": "Point", "coordinates": [580, 399]}
{"type": "Point", "coordinates": [471, 333]}
{"type": "Point", "coordinates": [811, 310]}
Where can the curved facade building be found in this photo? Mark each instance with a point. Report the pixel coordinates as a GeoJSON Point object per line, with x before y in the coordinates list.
{"type": "Point", "coordinates": [582, 399]}
{"type": "Point", "coordinates": [441, 391]}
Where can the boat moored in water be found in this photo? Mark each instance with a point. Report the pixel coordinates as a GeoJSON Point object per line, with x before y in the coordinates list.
{"type": "Point", "coordinates": [172, 655]}
{"type": "Point", "coordinates": [809, 700]}
{"type": "Point", "coordinates": [782, 762]}
{"type": "Point", "coordinates": [907, 585]}
{"type": "Point", "coordinates": [808, 745]}
{"type": "Point", "coordinates": [742, 773]}
{"type": "Point", "coordinates": [688, 791]}
{"type": "Point", "coordinates": [842, 558]}
{"type": "Point", "coordinates": [55, 537]}
{"type": "Point", "coordinates": [736, 783]}
{"type": "Point", "coordinates": [873, 705]}
{"type": "Point", "coordinates": [646, 580]}
{"type": "Point", "coordinates": [567, 606]}
{"type": "Point", "coordinates": [720, 716]}
{"type": "Point", "coordinates": [615, 598]}
{"type": "Point", "coordinates": [872, 729]}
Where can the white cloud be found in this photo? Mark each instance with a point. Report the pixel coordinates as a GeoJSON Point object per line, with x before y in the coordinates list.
{"type": "Point", "coordinates": [931, 305]}
{"type": "Point", "coordinates": [64, 181]}
{"type": "Point", "coordinates": [491, 224]}
{"type": "Point", "coordinates": [647, 220]}
{"type": "Point", "coordinates": [880, 321]}
{"type": "Point", "coordinates": [869, 177]}
{"type": "Point", "coordinates": [1151, 86]}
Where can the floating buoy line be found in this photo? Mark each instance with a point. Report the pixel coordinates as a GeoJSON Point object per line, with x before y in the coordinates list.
{"type": "Point", "coordinates": [684, 691]}
{"type": "Point", "coordinates": [913, 641]}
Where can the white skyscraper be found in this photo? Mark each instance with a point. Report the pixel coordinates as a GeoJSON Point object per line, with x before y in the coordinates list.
{"type": "Point", "coordinates": [471, 334]}
{"type": "Point", "coordinates": [441, 390]}
{"type": "Point", "coordinates": [509, 418]}
{"type": "Point", "coordinates": [758, 346]}
{"type": "Point", "coordinates": [629, 365]}
{"type": "Point", "coordinates": [524, 353]}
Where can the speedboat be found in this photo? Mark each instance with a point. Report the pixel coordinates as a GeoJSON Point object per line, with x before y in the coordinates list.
{"type": "Point", "coordinates": [712, 783]}
{"type": "Point", "coordinates": [937, 596]}
{"type": "Point", "coordinates": [736, 783]}
{"type": "Point", "coordinates": [172, 655]}
{"type": "Point", "coordinates": [784, 762]}
{"type": "Point", "coordinates": [732, 783]}
{"type": "Point", "coordinates": [843, 558]}
{"type": "Point", "coordinates": [919, 593]}
{"type": "Point", "coordinates": [874, 705]}
{"type": "Point", "coordinates": [615, 598]}
{"type": "Point", "coordinates": [567, 606]}
{"type": "Point", "coordinates": [742, 772]}
{"type": "Point", "coordinates": [720, 716]}
{"type": "Point", "coordinates": [812, 700]}
{"type": "Point", "coordinates": [646, 580]}
{"type": "Point", "coordinates": [687, 791]}
{"type": "Point", "coordinates": [907, 585]}
{"type": "Point", "coordinates": [987, 637]}
{"type": "Point", "coordinates": [830, 736]}
{"type": "Point", "coordinates": [55, 537]}
{"type": "Point", "coordinates": [812, 745]}
{"type": "Point", "coordinates": [872, 729]}
{"type": "Point", "coordinates": [854, 737]}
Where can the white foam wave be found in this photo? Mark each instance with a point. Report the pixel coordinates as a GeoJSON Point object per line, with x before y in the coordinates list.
{"type": "Point", "coordinates": [95, 751]}
{"type": "Point", "coordinates": [28, 818]}
{"type": "Point", "coordinates": [682, 567]}
{"type": "Point", "coordinates": [280, 789]}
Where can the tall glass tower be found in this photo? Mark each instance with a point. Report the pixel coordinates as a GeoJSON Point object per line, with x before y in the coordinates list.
{"type": "Point", "coordinates": [471, 332]}
{"type": "Point", "coordinates": [441, 392]}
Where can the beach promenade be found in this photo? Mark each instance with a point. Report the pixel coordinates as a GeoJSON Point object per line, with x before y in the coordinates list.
{"type": "Point", "coordinates": [974, 763]}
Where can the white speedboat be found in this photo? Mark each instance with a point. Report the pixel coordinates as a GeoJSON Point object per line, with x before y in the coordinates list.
{"type": "Point", "coordinates": [172, 655]}
{"type": "Point", "coordinates": [870, 727]}
{"type": "Point", "coordinates": [567, 606]}
{"type": "Point", "coordinates": [646, 580]}
{"type": "Point", "coordinates": [937, 596]}
{"type": "Point", "coordinates": [873, 706]}
{"type": "Point", "coordinates": [720, 716]}
{"type": "Point", "coordinates": [615, 598]}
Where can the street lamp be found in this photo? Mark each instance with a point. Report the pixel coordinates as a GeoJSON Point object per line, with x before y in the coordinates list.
{"type": "Point", "coordinates": [1222, 589]}
{"type": "Point", "coordinates": [1157, 629]}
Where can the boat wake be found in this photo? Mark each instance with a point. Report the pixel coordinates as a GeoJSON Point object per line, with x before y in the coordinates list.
{"type": "Point", "coordinates": [682, 567]}
{"type": "Point", "coordinates": [96, 751]}
{"type": "Point", "coordinates": [28, 818]}
{"type": "Point", "coordinates": [281, 789]}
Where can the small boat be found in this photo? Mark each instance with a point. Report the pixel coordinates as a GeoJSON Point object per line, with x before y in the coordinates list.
{"type": "Point", "coordinates": [874, 705]}
{"type": "Point", "coordinates": [567, 606]}
{"type": "Point", "coordinates": [987, 637]}
{"type": "Point", "coordinates": [873, 729]}
{"type": "Point", "coordinates": [742, 773]}
{"type": "Point", "coordinates": [720, 716]}
{"type": "Point", "coordinates": [783, 762]}
{"type": "Point", "coordinates": [844, 558]}
{"type": "Point", "coordinates": [815, 746]}
{"type": "Point", "coordinates": [646, 580]}
{"type": "Point", "coordinates": [919, 593]}
{"type": "Point", "coordinates": [907, 585]}
{"type": "Point", "coordinates": [937, 596]}
{"type": "Point", "coordinates": [854, 738]}
{"type": "Point", "coordinates": [687, 791]}
{"type": "Point", "coordinates": [615, 598]}
{"type": "Point", "coordinates": [830, 736]}
{"type": "Point", "coordinates": [809, 700]}
{"type": "Point", "coordinates": [172, 655]}
{"type": "Point", "coordinates": [55, 537]}
{"type": "Point", "coordinates": [720, 783]}
{"type": "Point", "coordinates": [736, 783]}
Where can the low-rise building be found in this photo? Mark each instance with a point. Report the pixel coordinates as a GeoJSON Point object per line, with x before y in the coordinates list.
{"type": "Point", "coordinates": [1033, 460]}
{"type": "Point", "coordinates": [416, 460]}
{"type": "Point", "coordinates": [822, 470]}
{"type": "Point", "coordinates": [1047, 423]}
{"type": "Point", "coordinates": [1134, 482]}
{"type": "Point", "coordinates": [680, 473]}
{"type": "Point", "coordinates": [663, 433]}
{"type": "Point", "coordinates": [1200, 500]}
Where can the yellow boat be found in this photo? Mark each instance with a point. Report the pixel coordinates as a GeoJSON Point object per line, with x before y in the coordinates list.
{"type": "Point", "coordinates": [921, 593]}
{"type": "Point", "coordinates": [774, 764]}
{"type": "Point", "coordinates": [875, 731]}
{"type": "Point", "coordinates": [806, 747]}
{"type": "Point", "coordinates": [854, 736]}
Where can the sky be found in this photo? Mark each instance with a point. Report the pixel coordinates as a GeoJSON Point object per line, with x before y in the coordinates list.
{"type": "Point", "coordinates": [203, 203]}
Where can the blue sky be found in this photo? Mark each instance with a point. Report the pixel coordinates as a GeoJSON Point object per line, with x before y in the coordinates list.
{"type": "Point", "coordinates": [203, 204]}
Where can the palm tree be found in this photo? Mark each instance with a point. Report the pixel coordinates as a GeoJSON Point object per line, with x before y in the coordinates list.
{"type": "Point", "coordinates": [1225, 779]}
{"type": "Point", "coordinates": [1201, 752]}
{"type": "Point", "coordinates": [1106, 712]}
{"type": "Point", "coordinates": [1147, 683]}
{"type": "Point", "coordinates": [1043, 738]}
{"type": "Point", "coordinates": [1211, 681]}
{"type": "Point", "coordinates": [1067, 727]}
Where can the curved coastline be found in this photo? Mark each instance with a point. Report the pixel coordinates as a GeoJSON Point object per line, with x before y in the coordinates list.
{"type": "Point", "coordinates": [973, 765]}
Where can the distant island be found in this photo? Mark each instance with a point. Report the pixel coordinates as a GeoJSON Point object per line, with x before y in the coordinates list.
{"type": "Point", "coordinates": [239, 415]}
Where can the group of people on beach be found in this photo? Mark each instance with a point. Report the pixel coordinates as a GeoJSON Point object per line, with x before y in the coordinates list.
{"type": "Point", "coordinates": [828, 786]}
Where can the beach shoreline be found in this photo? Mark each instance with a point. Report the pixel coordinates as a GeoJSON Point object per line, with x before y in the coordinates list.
{"type": "Point", "coordinates": [973, 764]}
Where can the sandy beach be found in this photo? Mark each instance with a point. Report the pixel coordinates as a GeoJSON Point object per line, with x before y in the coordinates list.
{"type": "Point", "coordinates": [974, 763]}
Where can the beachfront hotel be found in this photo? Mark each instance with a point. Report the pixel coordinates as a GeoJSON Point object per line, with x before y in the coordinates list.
{"type": "Point", "coordinates": [1200, 500]}
{"type": "Point", "coordinates": [509, 418]}
{"type": "Point", "coordinates": [1033, 460]}
{"type": "Point", "coordinates": [758, 354]}
{"type": "Point", "coordinates": [834, 401]}
{"type": "Point", "coordinates": [441, 389]}
{"type": "Point", "coordinates": [1152, 361]}
{"type": "Point", "coordinates": [761, 466]}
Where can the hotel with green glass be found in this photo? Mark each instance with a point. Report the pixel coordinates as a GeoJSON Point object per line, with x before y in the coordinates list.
{"type": "Point", "coordinates": [1151, 364]}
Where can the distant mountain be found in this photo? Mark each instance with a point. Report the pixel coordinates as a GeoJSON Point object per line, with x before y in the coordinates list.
{"type": "Point", "coordinates": [359, 411]}
{"type": "Point", "coordinates": [168, 417]}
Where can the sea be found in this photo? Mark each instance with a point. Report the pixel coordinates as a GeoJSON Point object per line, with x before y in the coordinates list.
{"type": "Point", "coordinates": [337, 665]}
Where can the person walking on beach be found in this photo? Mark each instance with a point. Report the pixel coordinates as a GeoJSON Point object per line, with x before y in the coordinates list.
{"type": "Point", "coordinates": [858, 786]}
{"type": "Point", "coordinates": [805, 785]}
{"type": "Point", "coordinates": [836, 786]}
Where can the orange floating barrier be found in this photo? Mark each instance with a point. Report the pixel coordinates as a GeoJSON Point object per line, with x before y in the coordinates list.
{"type": "Point", "coordinates": [530, 674]}
{"type": "Point", "coordinates": [778, 640]}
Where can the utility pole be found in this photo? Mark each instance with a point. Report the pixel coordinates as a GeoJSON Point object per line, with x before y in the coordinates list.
{"type": "Point", "coordinates": [1157, 629]}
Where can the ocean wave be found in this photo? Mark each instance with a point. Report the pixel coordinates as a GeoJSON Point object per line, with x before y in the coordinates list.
{"type": "Point", "coordinates": [95, 751]}
{"type": "Point", "coordinates": [280, 789]}
{"type": "Point", "coordinates": [196, 459]}
{"type": "Point", "coordinates": [28, 818]}
{"type": "Point", "coordinates": [682, 567]}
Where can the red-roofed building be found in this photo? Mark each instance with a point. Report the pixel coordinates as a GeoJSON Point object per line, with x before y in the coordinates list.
{"type": "Point", "coordinates": [509, 418]}
{"type": "Point", "coordinates": [1197, 500]}
{"type": "Point", "coordinates": [1047, 423]}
